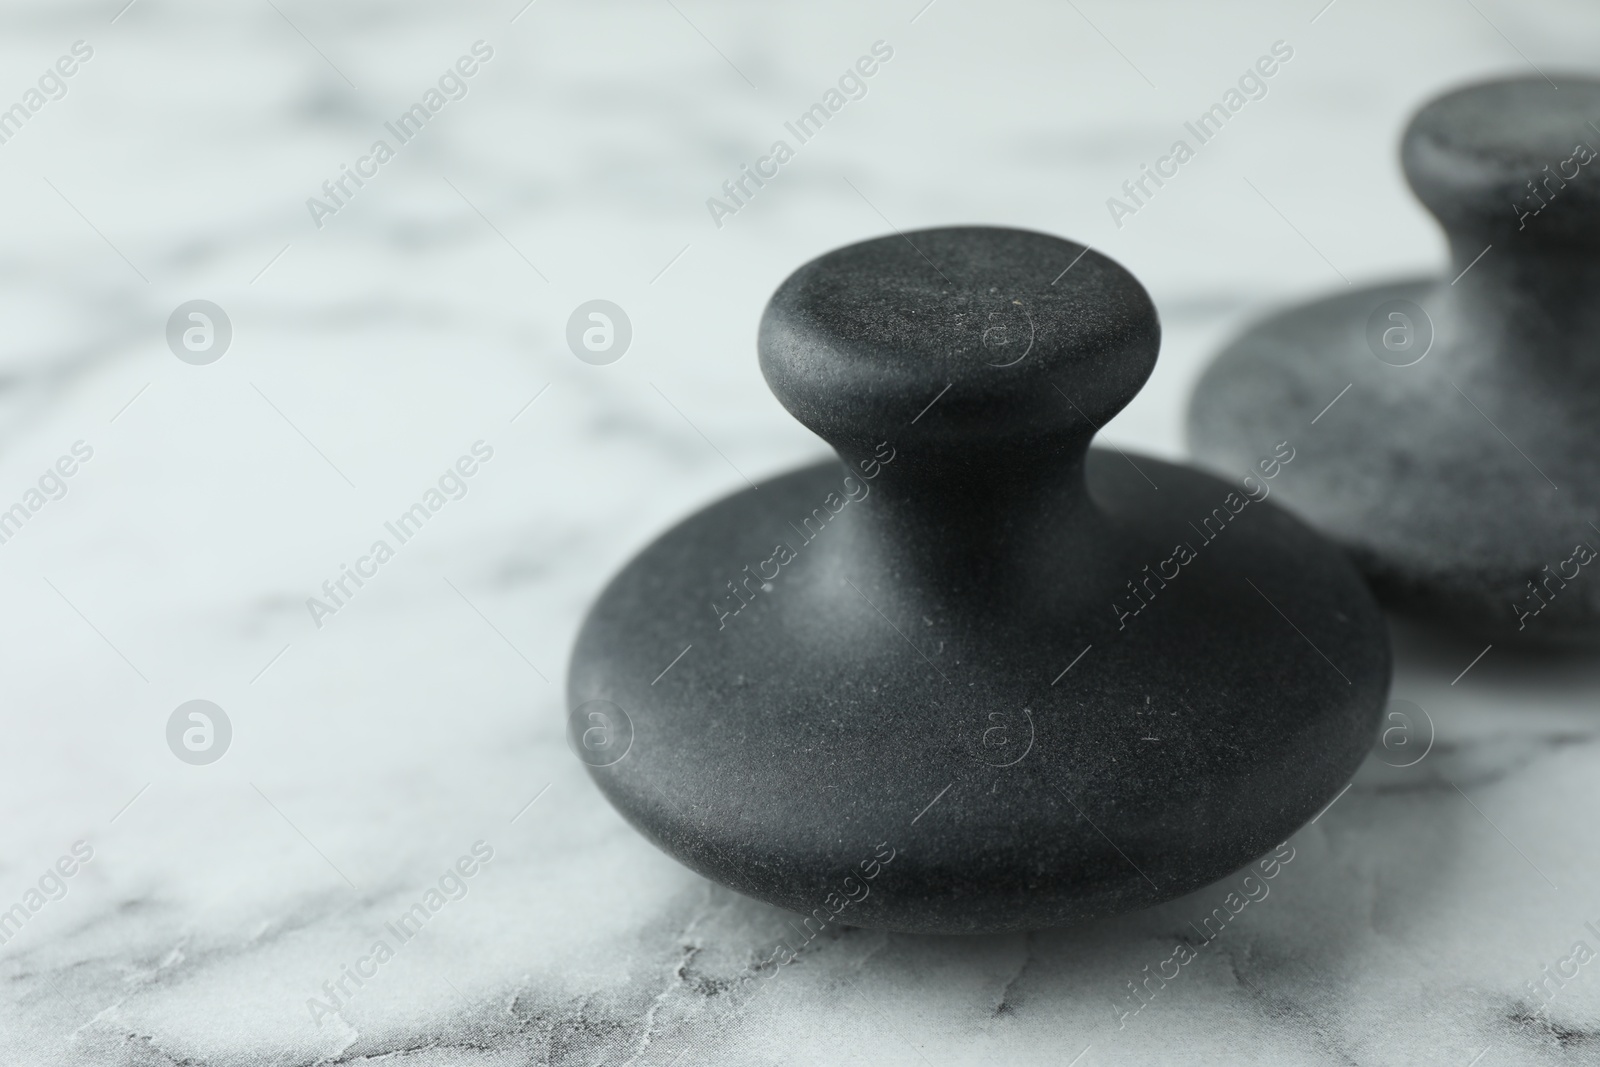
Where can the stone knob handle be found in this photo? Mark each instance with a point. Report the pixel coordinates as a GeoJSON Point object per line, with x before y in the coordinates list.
{"type": "Point", "coordinates": [1022, 343]}
{"type": "Point", "coordinates": [1511, 158]}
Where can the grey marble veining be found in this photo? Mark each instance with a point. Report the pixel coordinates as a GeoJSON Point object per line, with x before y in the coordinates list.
{"type": "Point", "coordinates": [369, 755]}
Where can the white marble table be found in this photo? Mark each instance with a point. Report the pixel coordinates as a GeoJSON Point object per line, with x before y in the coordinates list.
{"type": "Point", "coordinates": [369, 754]}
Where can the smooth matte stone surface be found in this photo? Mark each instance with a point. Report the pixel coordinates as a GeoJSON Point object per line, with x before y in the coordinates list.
{"type": "Point", "coordinates": [977, 677]}
{"type": "Point", "coordinates": [1460, 469]}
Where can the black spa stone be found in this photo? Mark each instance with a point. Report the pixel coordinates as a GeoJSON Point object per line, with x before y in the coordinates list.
{"type": "Point", "coordinates": [975, 675]}
{"type": "Point", "coordinates": [1458, 464]}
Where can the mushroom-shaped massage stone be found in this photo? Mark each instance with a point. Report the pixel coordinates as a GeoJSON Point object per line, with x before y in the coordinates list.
{"type": "Point", "coordinates": [975, 675]}
{"type": "Point", "coordinates": [1449, 428]}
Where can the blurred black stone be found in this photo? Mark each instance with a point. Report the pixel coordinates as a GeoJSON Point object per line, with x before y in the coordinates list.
{"type": "Point", "coordinates": [1458, 466]}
